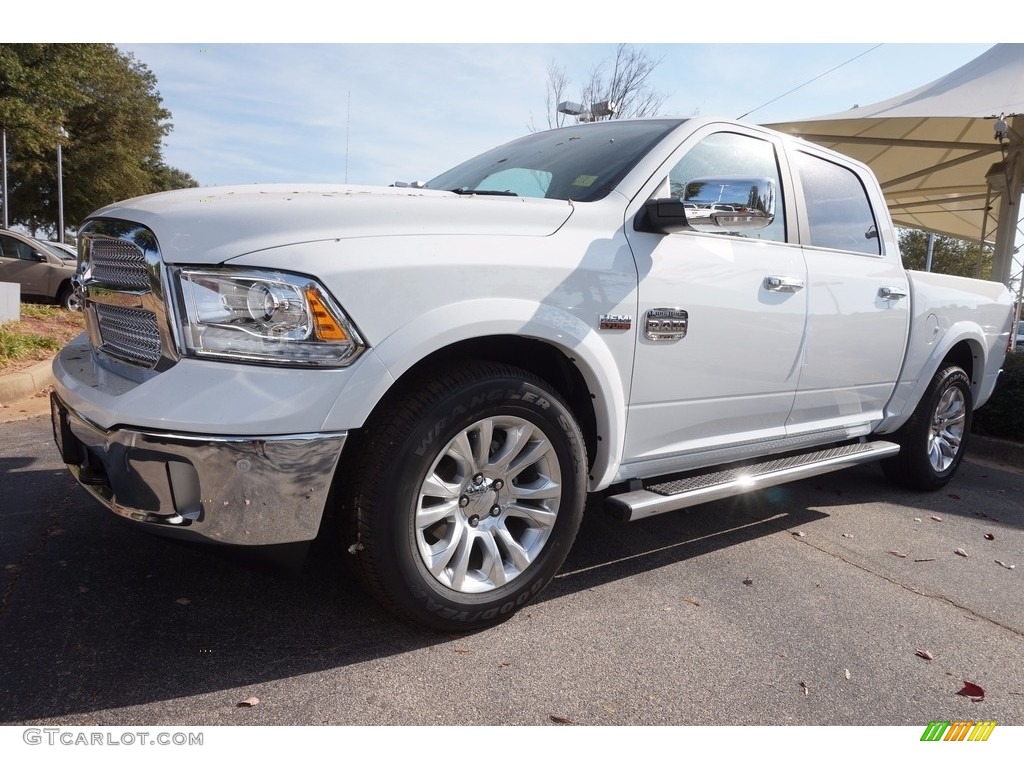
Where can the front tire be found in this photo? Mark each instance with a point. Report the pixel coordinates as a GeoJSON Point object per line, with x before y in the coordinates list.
{"type": "Point", "coordinates": [467, 496]}
{"type": "Point", "coordinates": [68, 299]}
{"type": "Point", "coordinates": [933, 441]}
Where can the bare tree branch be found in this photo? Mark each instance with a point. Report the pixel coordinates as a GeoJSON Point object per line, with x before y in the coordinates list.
{"type": "Point", "coordinates": [624, 81]}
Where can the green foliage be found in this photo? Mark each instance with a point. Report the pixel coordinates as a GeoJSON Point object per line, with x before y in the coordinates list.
{"type": "Point", "coordinates": [110, 107]}
{"type": "Point", "coordinates": [18, 345]}
{"type": "Point", "coordinates": [1003, 415]}
{"type": "Point", "coordinates": [950, 256]}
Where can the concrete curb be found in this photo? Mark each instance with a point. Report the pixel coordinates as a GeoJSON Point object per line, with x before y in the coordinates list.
{"type": "Point", "coordinates": [25, 383]}
{"type": "Point", "coordinates": [995, 450]}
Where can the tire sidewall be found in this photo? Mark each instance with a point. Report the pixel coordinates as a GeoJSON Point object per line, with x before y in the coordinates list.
{"type": "Point", "coordinates": [921, 436]}
{"type": "Point", "coordinates": [413, 587]}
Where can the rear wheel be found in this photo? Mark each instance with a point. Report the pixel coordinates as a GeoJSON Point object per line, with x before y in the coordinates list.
{"type": "Point", "coordinates": [467, 497]}
{"type": "Point", "coordinates": [933, 441]}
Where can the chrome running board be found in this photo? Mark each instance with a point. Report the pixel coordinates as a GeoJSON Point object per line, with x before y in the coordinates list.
{"type": "Point", "coordinates": [659, 495]}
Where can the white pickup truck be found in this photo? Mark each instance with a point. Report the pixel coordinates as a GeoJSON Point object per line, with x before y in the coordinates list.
{"type": "Point", "coordinates": [663, 311]}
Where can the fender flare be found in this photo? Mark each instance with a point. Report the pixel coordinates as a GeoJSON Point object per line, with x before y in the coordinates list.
{"type": "Point", "coordinates": [586, 349]}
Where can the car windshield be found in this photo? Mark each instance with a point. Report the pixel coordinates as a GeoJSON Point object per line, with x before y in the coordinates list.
{"type": "Point", "coordinates": [581, 163]}
{"type": "Point", "coordinates": [59, 252]}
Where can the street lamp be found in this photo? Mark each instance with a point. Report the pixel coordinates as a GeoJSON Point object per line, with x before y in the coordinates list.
{"type": "Point", "coordinates": [596, 111]}
{"type": "Point", "coordinates": [60, 186]}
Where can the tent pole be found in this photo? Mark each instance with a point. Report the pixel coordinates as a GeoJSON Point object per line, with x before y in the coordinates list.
{"type": "Point", "coordinates": [1009, 205]}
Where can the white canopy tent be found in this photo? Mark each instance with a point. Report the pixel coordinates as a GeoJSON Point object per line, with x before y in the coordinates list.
{"type": "Point", "coordinates": [949, 155]}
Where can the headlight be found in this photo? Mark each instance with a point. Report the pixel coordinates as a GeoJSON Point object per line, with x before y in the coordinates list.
{"type": "Point", "coordinates": [263, 316]}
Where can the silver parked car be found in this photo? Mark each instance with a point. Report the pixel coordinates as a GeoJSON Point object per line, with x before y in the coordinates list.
{"type": "Point", "coordinates": [39, 270]}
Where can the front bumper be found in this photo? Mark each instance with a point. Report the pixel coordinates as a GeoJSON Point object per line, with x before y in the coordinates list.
{"type": "Point", "coordinates": [229, 490]}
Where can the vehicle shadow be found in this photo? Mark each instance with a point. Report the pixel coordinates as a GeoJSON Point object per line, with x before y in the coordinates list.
{"type": "Point", "coordinates": [101, 616]}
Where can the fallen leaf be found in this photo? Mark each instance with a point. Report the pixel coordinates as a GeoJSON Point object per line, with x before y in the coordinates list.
{"type": "Point", "coordinates": [897, 553]}
{"type": "Point", "coordinates": [505, 664]}
{"type": "Point", "coordinates": [806, 688]}
{"type": "Point", "coordinates": [799, 534]}
{"type": "Point", "coordinates": [847, 535]}
{"type": "Point", "coordinates": [925, 560]}
{"type": "Point", "coordinates": [252, 701]}
{"type": "Point", "coordinates": [748, 581]}
{"type": "Point", "coordinates": [959, 552]}
{"type": "Point", "coordinates": [924, 654]}
{"type": "Point", "coordinates": [12, 569]}
{"type": "Point", "coordinates": [936, 518]}
{"type": "Point", "coordinates": [847, 673]}
{"type": "Point", "coordinates": [973, 691]}
{"type": "Point", "coordinates": [83, 590]}
{"type": "Point", "coordinates": [1005, 565]}
{"type": "Point", "coordinates": [693, 601]}
{"type": "Point", "coordinates": [183, 601]}
{"type": "Point", "coordinates": [463, 650]}
{"type": "Point", "coordinates": [917, 519]}
{"type": "Point", "coordinates": [990, 537]}
{"type": "Point", "coordinates": [953, 496]}
{"type": "Point", "coordinates": [561, 720]}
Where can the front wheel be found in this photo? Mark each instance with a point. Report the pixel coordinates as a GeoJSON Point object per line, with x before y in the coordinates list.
{"type": "Point", "coordinates": [933, 441]}
{"type": "Point", "coordinates": [69, 299]}
{"type": "Point", "coordinates": [468, 494]}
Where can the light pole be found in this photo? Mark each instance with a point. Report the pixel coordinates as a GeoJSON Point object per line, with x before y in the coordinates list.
{"type": "Point", "coordinates": [3, 175]}
{"type": "Point", "coordinates": [60, 186]}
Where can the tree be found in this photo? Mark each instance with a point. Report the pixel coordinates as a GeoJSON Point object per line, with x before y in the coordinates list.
{"type": "Point", "coordinates": [950, 256]}
{"type": "Point", "coordinates": [623, 81]}
{"type": "Point", "coordinates": [108, 104]}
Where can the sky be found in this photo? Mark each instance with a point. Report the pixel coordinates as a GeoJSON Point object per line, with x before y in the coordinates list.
{"type": "Point", "coordinates": [374, 113]}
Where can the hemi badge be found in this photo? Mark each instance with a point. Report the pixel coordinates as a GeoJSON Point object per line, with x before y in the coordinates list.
{"type": "Point", "coordinates": [616, 322]}
{"type": "Point", "coordinates": [666, 324]}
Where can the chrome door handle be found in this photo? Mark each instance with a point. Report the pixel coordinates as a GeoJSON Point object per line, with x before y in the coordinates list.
{"type": "Point", "coordinates": [891, 293]}
{"type": "Point", "coordinates": [781, 284]}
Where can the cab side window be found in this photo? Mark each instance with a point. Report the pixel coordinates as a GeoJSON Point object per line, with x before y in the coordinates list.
{"type": "Point", "coordinates": [733, 154]}
{"type": "Point", "coordinates": [838, 212]}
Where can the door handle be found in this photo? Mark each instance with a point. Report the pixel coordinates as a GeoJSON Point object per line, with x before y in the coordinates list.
{"type": "Point", "coordinates": [781, 284]}
{"type": "Point", "coordinates": [891, 293]}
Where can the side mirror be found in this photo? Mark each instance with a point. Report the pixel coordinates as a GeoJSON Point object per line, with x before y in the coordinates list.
{"type": "Point", "coordinates": [722, 205]}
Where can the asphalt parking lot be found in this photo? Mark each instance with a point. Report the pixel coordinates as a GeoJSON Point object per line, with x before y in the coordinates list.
{"type": "Point", "coordinates": [815, 603]}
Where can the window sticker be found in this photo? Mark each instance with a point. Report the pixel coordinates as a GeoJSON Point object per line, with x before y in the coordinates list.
{"type": "Point", "coordinates": [584, 181]}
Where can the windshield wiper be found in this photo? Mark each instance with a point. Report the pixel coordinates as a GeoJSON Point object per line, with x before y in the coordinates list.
{"type": "Point", "coordinates": [468, 191]}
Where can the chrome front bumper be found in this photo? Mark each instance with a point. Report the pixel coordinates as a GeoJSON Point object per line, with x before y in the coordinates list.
{"type": "Point", "coordinates": [229, 490]}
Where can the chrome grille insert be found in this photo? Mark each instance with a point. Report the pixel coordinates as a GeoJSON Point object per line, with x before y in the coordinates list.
{"type": "Point", "coordinates": [129, 334]}
{"type": "Point", "coordinates": [119, 264]}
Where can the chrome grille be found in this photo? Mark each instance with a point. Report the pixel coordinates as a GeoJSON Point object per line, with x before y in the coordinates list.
{"type": "Point", "coordinates": [129, 334]}
{"type": "Point", "coordinates": [119, 264]}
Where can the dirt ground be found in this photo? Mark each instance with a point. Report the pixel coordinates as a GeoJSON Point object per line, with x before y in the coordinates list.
{"type": "Point", "coordinates": [63, 325]}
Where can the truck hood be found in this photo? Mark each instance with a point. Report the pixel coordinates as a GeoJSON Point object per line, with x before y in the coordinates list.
{"type": "Point", "coordinates": [209, 225]}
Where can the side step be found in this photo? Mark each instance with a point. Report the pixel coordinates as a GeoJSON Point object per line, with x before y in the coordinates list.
{"type": "Point", "coordinates": [666, 496]}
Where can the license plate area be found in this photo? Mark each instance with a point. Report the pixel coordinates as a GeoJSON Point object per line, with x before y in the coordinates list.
{"type": "Point", "coordinates": [68, 445]}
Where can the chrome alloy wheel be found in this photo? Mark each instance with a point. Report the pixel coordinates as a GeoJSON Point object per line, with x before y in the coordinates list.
{"type": "Point", "coordinates": [488, 503]}
{"type": "Point", "coordinates": [947, 429]}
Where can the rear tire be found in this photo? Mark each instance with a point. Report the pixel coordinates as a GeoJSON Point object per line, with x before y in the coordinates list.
{"type": "Point", "coordinates": [467, 495]}
{"type": "Point", "coordinates": [933, 441]}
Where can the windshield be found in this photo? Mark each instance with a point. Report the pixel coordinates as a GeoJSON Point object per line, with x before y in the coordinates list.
{"type": "Point", "coordinates": [59, 251]}
{"type": "Point", "coordinates": [581, 163]}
